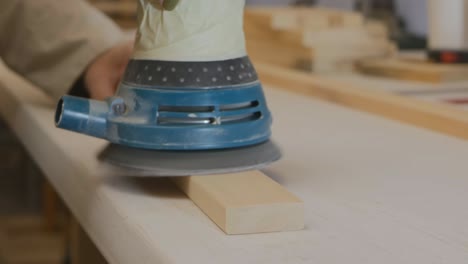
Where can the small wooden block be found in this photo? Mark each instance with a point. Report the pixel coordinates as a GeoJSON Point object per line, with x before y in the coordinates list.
{"type": "Point", "coordinates": [243, 203]}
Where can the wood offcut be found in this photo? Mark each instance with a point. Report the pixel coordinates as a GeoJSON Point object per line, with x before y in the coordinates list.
{"type": "Point", "coordinates": [413, 70]}
{"type": "Point", "coordinates": [243, 203]}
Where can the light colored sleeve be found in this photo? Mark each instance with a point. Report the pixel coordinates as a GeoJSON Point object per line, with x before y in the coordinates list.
{"type": "Point", "coordinates": [51, 42]}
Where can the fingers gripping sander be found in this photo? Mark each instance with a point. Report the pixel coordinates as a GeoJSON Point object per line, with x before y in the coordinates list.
{"type": "Point", "coordinates": [176, 117]}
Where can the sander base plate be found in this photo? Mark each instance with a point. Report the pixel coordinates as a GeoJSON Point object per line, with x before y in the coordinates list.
{"type": "Point", "coordinates": [163, 163]}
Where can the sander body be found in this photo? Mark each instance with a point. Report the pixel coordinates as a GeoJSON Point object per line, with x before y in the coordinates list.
{"type": "Point", "coordinates": [178, 118]}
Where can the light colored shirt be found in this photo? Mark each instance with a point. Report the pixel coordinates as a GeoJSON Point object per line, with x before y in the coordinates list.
{"type": "Point", "coordinates": [50, 42]}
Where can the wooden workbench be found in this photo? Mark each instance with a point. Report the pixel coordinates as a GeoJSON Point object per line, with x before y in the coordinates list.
{"type": "Point", "coordinates": [430, 92]}
{"type": "Point", "coordinates": [375, 190]}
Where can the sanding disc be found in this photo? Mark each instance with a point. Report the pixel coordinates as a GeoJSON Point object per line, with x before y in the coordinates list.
{"type": "Point", "coordinates": [161, 163]}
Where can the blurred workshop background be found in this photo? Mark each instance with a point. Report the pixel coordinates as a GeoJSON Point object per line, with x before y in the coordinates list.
{"type": "Point", "coordinates": [412, 12]}
{"type": "Point", "coordinates": [310, 38]}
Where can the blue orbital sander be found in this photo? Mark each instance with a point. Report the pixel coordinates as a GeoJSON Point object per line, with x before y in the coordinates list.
{"type": "Point", "coordinates": [176, 118]}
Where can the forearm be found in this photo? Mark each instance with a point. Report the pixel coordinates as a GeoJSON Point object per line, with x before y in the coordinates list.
{"type": "Point", "coordinates": [52, 42]}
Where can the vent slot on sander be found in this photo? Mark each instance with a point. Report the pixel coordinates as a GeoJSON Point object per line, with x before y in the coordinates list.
{"type": "Point", "coordinates": [169, 115]}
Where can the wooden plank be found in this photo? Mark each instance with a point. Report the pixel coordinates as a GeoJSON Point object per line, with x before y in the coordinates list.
{"type": "Point", "coordinates": [375, 191]}
{"type": "Point", "coordinates": [23, 239]}
{"type": "Point", "coordinates": [82, 248]}
{"type": "Point", "coordinates": [312, 39]}
{"type": "Point", "coordinates": [315, 18]}
{"type": "Point", "coordinates": [280, 47]}
{"type": "Point", "coordinates": [50, 207]}
{"type": "Point", "coordinates": [441, 118]}
{"type": "Point", "coordinates": [244, 203]}
{"type": "Point", "coordinates": [451, 93]}
{"type": "Point", "coordinates": [415, 70]}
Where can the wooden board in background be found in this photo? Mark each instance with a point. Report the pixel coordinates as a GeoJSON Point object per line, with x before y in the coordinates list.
{"type": "Point", "coordinates": [315, 18]}
{"type": "Point", "coordinates": [24, 240]}
{"type": "Point", "coordinates": [313, 39]}
{"type": "Point", "coordinates": [441, 118]}
{"type": "Point", "coordinates": [81, 249]}
{"type": "Point", "coordinates": [413, 69]}
{"type": "Point", "coordinates": [457, 99]}
{"type": "Point", "coordinates": [279, 47]}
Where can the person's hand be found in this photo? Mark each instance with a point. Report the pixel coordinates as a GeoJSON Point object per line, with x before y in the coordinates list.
{"type": "Point", "coordinates": [104, 73]}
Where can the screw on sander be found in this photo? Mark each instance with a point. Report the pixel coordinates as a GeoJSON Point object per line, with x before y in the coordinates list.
{"type": "Point", "coordinates": [117, 105]}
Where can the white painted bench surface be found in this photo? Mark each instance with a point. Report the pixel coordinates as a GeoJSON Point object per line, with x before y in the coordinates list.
{"type": "Point", "coordinates": [375, 191]}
